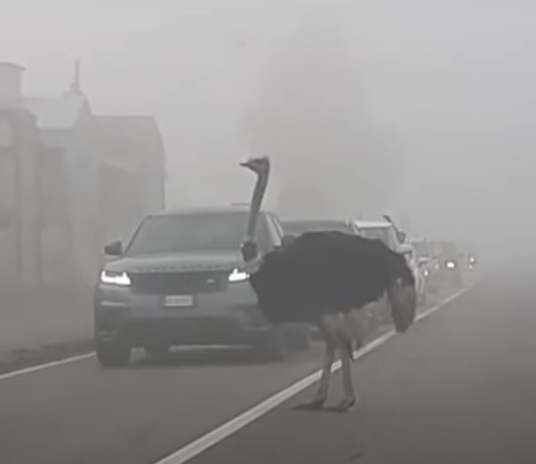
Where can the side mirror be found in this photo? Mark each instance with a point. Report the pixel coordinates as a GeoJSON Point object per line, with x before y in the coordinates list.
{"type": "Point", "coordinates": [114, 249]}
{"type": "Point", "coordinates": [287, 239]}
{"type": "Point", "coordinates": [249, 251]}
{"type": "Point", "coordinates": [401, 236]}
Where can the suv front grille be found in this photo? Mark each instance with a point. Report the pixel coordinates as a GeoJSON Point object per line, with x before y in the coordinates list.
{"type": "Point", "coordinates": [179, 283]}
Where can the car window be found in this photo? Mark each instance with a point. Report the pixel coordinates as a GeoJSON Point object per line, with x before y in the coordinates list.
{"type": "Point", "coordinates": [264, 234]}
{"type": "Point", "coordinates": [278, 227]}
{"type": "Point", "coordinates": [422, 249]}
{"type": "Point", "coordinates": [273, 232]}
{"type": "Point", "coordinates": [189, 232]}
{"type": "Point", "coordinates": [386, 234]}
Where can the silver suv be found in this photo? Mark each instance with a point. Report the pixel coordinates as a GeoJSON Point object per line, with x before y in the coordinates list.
{"type": "Point", "coordinates": [179, 281]}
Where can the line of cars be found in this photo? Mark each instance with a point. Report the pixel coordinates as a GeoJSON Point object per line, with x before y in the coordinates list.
{"type": "Point", "coordinates": [179, 281]}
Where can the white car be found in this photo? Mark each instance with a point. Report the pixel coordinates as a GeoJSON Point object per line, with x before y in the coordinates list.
{"type": "Point", "coordinates": [386, 232]}
{"type": "Point", "coordinates": [420, 279]}
{"type": "Point", "coordinates": [382, 230]}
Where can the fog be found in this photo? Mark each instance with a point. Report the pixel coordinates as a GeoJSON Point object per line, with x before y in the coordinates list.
{"type": "Point", "coordinates": [118, 353]}
{"type": "Point", "coordinates": [422, 108]}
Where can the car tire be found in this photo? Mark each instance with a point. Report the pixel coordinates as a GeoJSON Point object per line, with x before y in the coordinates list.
{"type": "Point", "coordinates": [274, 346]}
{"type": "Point", "coordinates": [113, 354]}
{"type": "Point", "coordinates": [300, 340]}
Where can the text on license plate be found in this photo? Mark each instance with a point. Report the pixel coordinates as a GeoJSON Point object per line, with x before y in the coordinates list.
{"type": "Point", "coordinates": [179, 301]}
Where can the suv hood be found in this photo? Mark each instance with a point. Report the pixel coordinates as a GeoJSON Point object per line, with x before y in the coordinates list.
{"type": "Point", "coordinates": [177, 262]}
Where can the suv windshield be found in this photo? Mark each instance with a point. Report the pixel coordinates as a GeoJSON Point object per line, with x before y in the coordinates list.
{"type": "Point", "coordinates": [189, 232]}
{"type": "Point", "coordinates": [300, 227]}
{"type": "Point", "coordinates": [422, 249]}
{"type": "Point", "coordinates": [385, 234]}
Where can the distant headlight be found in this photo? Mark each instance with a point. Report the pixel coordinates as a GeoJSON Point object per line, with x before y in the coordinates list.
{"type": "Point", "coordinates": [238, 276]}
{"type": "Point", "coordinates": [451, 264]}
{"type": "Point", "coordinates": [426, 273]}
{"type": "Point", "coordinates": [115, 278]}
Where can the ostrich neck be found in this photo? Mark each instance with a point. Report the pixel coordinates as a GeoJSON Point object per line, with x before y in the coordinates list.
{"type": "Point", "coordinates": [256, 201]}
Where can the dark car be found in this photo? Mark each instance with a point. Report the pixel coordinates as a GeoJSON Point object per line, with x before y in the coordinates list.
{"type": "Point", "coordinates": [298, 227]}
{"type": "Point", "coordinates": [429, 264]}
{"type": "Point", "coordinates": [179, 281]}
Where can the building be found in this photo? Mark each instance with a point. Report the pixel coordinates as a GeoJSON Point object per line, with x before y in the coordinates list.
{"type": "Point", "coordinates": [69, 181]}
{"type": "Point", "coordinates": [132, 171]}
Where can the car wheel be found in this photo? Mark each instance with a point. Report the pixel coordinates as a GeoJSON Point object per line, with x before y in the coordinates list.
{"type": "Point", "coordinates": [113, 354]}
{"type": "Point", "coordinates": [300, 340]}
{"type": "Point", "coordinates": [274, 347]}
{"type": "Point", "coordinates": [157, 352]}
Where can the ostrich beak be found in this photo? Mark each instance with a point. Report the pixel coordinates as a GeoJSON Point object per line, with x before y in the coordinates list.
{"type": "Point", "coordinates": [256, 165]}
{"type": "Point", "coordinates": [403, 301]}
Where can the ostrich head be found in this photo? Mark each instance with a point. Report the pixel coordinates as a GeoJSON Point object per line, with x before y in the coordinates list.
{"type": "Point", "coordinates": [401, 293]}
{"type": "Point", "coordinates": [261, 167]}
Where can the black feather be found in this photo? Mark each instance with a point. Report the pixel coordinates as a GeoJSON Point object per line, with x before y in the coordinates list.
{"type": "Point", "coordinates": [325, 272]}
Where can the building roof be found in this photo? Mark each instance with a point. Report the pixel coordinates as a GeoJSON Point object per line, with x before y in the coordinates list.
{"type": "Point", "coordinates": [56, 113]}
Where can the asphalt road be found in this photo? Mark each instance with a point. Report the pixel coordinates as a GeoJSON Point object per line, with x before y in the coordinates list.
{"type": "Point", "coordinates": [78, 413]}
{"type": "Point", "coordinates": [460, 387]}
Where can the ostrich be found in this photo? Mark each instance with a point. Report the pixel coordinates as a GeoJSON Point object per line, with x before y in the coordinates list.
{"type": "Point", "coordinates": [325, 278]}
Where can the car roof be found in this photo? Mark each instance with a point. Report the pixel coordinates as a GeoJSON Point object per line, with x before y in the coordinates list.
{"type": "Point", "coordinates": [417, 239]}
{"type": "Point", "coordinates": [320, 221]}
{"type": "Point", "coordinates": [372, 224]}
{"type": "Point", "coordinates": [207, 210]}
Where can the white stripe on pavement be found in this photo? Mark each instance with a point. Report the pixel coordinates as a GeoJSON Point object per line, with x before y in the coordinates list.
{"type": "Point", "coordinates": [220, 433]}
{"type": "Point", "coordinates": [40, 367]}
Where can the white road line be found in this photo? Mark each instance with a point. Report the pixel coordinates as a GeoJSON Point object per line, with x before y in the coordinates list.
{"type": "Point", "coordinates": [433, 309]}
{"type": "Point", "coordinates": [220, 433]}
{"type": "Point", "coordinates": [40, 367]}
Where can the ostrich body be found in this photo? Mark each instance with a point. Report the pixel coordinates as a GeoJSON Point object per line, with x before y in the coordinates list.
{"type": "Point", "coordinates": [326, 278]}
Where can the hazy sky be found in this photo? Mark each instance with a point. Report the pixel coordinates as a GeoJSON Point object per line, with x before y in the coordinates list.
{"type": "Point", "coordinates": [453, 79]}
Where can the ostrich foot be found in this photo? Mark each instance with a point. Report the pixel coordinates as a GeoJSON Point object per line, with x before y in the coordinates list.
{"type": "Point", "coordinates": [313, 405]}
{"type": "Point", "coordinates": [345, 405]}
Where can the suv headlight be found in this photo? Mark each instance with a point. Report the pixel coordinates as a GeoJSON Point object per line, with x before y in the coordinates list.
{"type": "Point", "coordinates": [238, 276]}
{"type": "Point", "coordinates": [115, 278]}
{"type": "Point", "coordinates": [450, 264]}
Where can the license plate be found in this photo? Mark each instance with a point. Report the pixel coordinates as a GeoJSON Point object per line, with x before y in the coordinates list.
{"type": "Point", "coordinates": [178, 301]}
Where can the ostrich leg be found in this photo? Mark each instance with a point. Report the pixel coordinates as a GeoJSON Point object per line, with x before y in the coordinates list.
{"type": "Point", "coordinates": [349, 394]}
{"type": "Point", "coordinates": [321, 394]}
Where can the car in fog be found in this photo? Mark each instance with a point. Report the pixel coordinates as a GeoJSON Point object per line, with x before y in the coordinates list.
{"type": "Point", "coordinates": [297, 227]}
{"type": "Point", "coordinates": [382, 230]}
{"type": "Point", "coordinates": [450, 265]}
{"type": "Point", "coordinates": [409, 252]}
{"type": "Point", "coordinates": [179, 281]}
{"type": "Point", "coordinates": [386, 232]}
{"type": "Point", "coordinates": [428, 263]}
